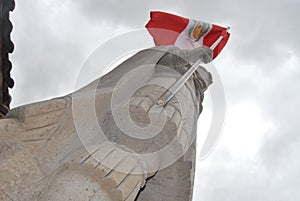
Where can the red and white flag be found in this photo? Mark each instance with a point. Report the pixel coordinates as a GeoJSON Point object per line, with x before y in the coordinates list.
{"type": "Point", "coordinates": [169, 29]}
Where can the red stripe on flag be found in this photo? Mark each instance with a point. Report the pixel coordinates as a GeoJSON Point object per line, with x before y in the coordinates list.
{"type": "Point", "coordinates": [213, 35]}
{"type": "Point", "coordinates": [165, 27]}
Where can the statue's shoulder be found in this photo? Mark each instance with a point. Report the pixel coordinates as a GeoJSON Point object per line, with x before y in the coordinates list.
{"type": "Point", "coordinates": [41, 116]}
{"type": "Point", "coordinates": [48, 107]}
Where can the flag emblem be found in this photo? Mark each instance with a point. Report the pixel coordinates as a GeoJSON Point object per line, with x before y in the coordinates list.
{"type": "Point", "coordinates": [198, 30]}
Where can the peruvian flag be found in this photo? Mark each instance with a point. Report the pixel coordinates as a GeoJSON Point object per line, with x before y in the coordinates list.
{"type": "Point", "coordinates": [169, 29]}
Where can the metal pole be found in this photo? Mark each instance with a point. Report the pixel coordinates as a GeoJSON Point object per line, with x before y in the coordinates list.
{"type": "Point", "coordinates": [176, 86]}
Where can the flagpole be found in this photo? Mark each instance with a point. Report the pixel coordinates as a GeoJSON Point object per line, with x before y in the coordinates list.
{"type": "Point", "coordinates": [176, 86]}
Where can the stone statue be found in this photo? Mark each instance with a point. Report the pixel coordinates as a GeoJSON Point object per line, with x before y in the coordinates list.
{"type": "Point", "coordinates": [50, 150]}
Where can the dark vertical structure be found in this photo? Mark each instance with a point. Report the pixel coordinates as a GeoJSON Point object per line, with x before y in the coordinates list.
{"type": "Point", "coordinates": [6, 47]}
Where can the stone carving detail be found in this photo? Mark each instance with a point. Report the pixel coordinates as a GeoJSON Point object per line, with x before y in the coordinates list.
{"type": "Point", "coordinates": [42, 156]}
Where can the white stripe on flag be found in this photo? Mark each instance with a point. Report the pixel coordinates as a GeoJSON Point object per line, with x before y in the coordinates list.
{"type": "Point", "coordinates": [185, 40]}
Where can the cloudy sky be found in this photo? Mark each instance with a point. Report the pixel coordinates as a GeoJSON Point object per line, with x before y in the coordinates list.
{"type": "Point", "coordinates": [257, 157]}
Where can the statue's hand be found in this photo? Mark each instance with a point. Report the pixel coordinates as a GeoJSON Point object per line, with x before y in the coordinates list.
{"type": "Point", "coordinates": [204, 53]}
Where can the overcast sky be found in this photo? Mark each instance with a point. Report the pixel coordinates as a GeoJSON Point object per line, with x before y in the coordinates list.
{"type": "Point", "coordinates": [257, 157]}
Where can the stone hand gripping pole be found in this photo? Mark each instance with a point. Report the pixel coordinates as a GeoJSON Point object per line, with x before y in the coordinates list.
{"type": "Point", "coordinates": [205, 56]}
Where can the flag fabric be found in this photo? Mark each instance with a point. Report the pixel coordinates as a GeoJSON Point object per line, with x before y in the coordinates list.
{"type": "Point", "coordinates": [169, 29]}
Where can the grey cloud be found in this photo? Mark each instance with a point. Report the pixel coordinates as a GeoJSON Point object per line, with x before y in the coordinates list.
{"type": "Point", "coordinates": [262, 31]}
{"type": "Point", "coordinates": [281, 103]}
{"type": "Point", "coordinates": [131, 13]}
{"type": "Point", "coordinates": [240, 179]}
{"type": "Point", "coordinates": [48, 52]}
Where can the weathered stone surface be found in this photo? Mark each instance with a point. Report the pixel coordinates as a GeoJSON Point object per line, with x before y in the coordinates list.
{"type": "Point", "coordinates": [42, 156]}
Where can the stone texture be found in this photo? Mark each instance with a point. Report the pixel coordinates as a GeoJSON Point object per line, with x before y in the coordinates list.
{"type": "Point", "coordinates": [43, 158]}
